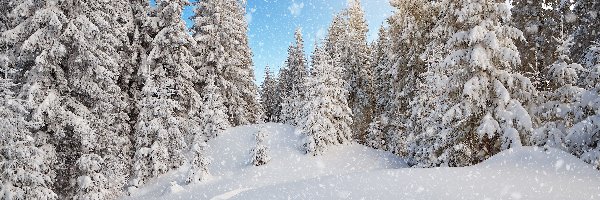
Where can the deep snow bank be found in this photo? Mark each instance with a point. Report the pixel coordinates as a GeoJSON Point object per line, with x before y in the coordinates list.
{"type": "Point", "coordinates": [231, 173]}
{"type": "Point", "coordinates": [521, 173]}
{"type": "Point", "coordinates": [357, 172]}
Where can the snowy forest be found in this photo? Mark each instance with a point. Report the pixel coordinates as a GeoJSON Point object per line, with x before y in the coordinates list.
{"type": "Point", "coordinates": [98, 98]}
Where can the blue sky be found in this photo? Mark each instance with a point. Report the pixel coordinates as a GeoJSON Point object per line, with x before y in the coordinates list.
{"type": "Point", "coordinates": [272, 24]}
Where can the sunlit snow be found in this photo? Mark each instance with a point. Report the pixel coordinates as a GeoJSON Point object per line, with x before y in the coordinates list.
{"type": "Point", "coordinates": [357, 172]}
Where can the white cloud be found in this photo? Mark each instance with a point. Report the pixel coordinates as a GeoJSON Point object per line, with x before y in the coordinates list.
{"type": "Point", "coordinates": [296, 9]}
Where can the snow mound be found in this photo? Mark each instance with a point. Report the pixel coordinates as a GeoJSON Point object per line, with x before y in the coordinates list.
{"type": "Point", "coordinates": [519, 173]}
{"type": "Point", "coordinates": [538, 158]}
{"type": "Point", "coordinates": [232, 174]}
{"type": "Point", "coordinates": [357, 172]}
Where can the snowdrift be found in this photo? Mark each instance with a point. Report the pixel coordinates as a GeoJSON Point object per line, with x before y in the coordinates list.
{"type": "Point", "coordinates": [357, 172]}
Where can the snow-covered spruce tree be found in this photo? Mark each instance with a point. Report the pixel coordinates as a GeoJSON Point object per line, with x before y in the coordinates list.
{"type": "Point", "coordinates": [587, 29]}
{"type": "Point", "coordinates": [426, 115]}
{"type": "Point", "coordinates": [39, 44]}
{"type": "Point", "coordinates": [358, 71]}
{"type": "Point", "coordinates": [220, 30]}
{"type": "Point", "coordinates": [260, 153]}
{"type": "Point", "coordinates": [431, 100]}
{"type": "Point", "coordinates": [95, 40]}
{"type": "Point", "coordinates": [212, 116]}
{"type": "Point", "coordinates": [537, 52]}
{"type": "Point", "coordinates": [440, 33]}
{"type": "Point", "coordinates": [8, 18]}
{"type": "Point", "coordinates": [329, 119]}
{"type": "Point", "coordinates": [199, 164]}
{"type": "Point", "coordinates": [559, 111]}
{"type": "Point", "coordinates": [408, 40]}
{"type": "Point", "coordinates": [583, 139]}
{"type": "Point", "coordinates": [381, 89]}
{"type": "Point", "coordinates": [14, 12]}
{"type": "Point", "coordinates": [486, 117]}
{"type": "Point", "coordinates": [142, 28]}
{"type": "Point", "coordinates": [294, 93]}
{"type": "Point", "coordinates": [375, 133]}
{"type": "Point", "coordinates": [167, 94]}
{"type": "Point", "coordinates": [381, 72]}
{"type": "Point", "coordinates": [283, 80]}
{"type": "Point", "coordinates": [591, 76]}
{"type": "Point", "coordinates": [270, 98]}
{"type": "Point", "coordinates": [34, 40]}
{"type": "Point", "coordinates": [25, 172]}
{"type": "Point", "coordinates": [336, 43]}
{"type": "Point", "coordinates": [91, 184]}
{"type": "Point", "coordinates": [6, 7]}
{"type": "Point", "coordinates": [73, 106]}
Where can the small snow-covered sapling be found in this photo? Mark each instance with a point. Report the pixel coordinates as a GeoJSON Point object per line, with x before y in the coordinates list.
{"type": "Point", "coordinates": [199, 165]}
{"type": "Point", "coordinates": [260, 152]}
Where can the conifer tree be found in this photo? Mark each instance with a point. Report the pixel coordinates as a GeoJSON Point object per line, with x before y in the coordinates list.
{"type": "Point", "coordinates": [270, 97]}
{"type": "Point", "coordinates": [583, 138]}
{"type": "Point", "coordinates": [95, 40]}
{"type": "Point", "coordinates": [587, 22]}
{"type": "Point", "coordinates": [558, 111]}
{"type": "Point", "coordinates": [431, 101]}
{"type": "Point", "coordinates": [381, 73]}
{"type": "Point", "coordinates": [260, 153]}
{"type": "Point", "coordinates": [336, 43]}
{"type": "Point", "coordinates": [538, 26]}
{"type": "Point", "coordinates": [294, 88]}
{"type": "Point", "coordinates": [142, 31]}
{"type": "Point", "coordinates": [25, 167]}
{"type": "Point", "coordinates": [166, 94]}
{"type": "Point", "coordinates": [40, 44]}
{"type": "Point", "coordinates": [590, 79]}
{"type": "Point", "coordinates": [283, 83]}
{"type": "Point", "coordinates": [487, 115]}
{"type": "Point", "coordinates": [91, 184]}
{"type": "Point", "coordinates": [199, 165]}
{"type": "Point", "coordinates": [220, 30]}
{"type": "Point", "coordinates": [24, 173]}
{"type": "Point", "coordinates": [212, 116]}
{"type": "Point", "coordinates": [382, 91]}
{"type": "Point", "coordinates": [358, 71]}
{"type": "Point", "coordinates": [408, 34]}
{"type": "Point", "coordinates": [329, 118]}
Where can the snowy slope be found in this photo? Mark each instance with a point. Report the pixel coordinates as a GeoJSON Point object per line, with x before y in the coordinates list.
{"type": "Point", "coordinates": [356, 172]}
{"type": "Point", "coordinates": [232, 173]}
{"type": "Point", "coordinates": [524, 173]}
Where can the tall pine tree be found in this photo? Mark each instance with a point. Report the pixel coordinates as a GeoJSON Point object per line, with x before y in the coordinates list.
{"type": "Point", "coordinates": [408, 34]}
{"type": "Point", "coordinates": [358, 71]}
{"type": "Point", "coordinates": [294, 88]}
{"type": "Point", "coordinates": [559, 110]}
{"type": "Point", "coordinates": [487, 115]}
{"type": "Point", "coordinates": [587, 29]}
{"type": "Point", "coordinates": [167, 94]}
{"type": "Point", "coordinates": [329, 119]}
{"type": "Point", "coordinates": [270, 98]}
{"type": "Point", "coordinates": [538, 25]}
{"type": "Point", "coordinates": [583, 139]}
{"type": "Point", "coordinates": [95, 40]}
{"type": "Point", "coordinates": [220, 30]}
{"type": "Point", "coordinates": [25, 162]}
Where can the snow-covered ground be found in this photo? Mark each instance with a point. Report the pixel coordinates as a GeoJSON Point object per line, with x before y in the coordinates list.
{"type": "Point", "coordinates": [357, 172]}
